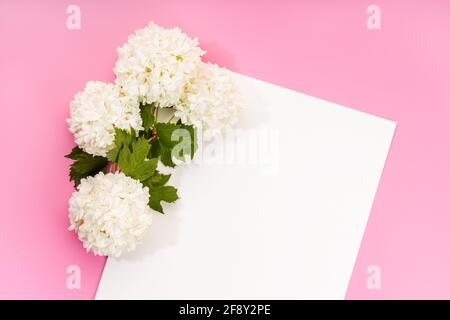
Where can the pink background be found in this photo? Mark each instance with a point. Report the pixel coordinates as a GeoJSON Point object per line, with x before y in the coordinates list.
{"type": "Point", "coordinates": [322, 48]}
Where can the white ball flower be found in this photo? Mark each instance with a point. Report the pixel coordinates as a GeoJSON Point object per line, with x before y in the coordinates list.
{"type": "Point", "coordinates": [110, 213]}
{"type": "Point", "coordinates": [156, 63]}
{"type": "Point", "coordinates": [95, 111]}
{"type": "Point", "coordinates": [211, 100]}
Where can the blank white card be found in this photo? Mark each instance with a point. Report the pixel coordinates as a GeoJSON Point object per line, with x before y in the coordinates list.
{"type": "Point", "coordinates": [276, 212]}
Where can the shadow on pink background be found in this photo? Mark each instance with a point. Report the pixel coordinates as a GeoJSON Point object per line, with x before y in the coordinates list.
{"type": "Point", "coordinates": [321, 48]}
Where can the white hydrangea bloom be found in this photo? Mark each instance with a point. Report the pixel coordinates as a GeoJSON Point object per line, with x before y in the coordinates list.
{"type": "Point", "coordinates": [211, 100]}
{"type": "Point", "coordinates": [156, 63]}
{"type": "Point", "coordinates": [110, 213]}
{"type": "Point", "coordinates": [95, 111]}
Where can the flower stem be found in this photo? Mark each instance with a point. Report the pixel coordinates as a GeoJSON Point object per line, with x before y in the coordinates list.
{"type": "Point", "coordinates": [173, 116]}
{"type": "Point", "coordinates": [156, 114]}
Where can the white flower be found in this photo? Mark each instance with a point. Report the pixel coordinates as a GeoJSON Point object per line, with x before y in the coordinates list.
{"type": "Point", "coordinates": [110, 213]}
{"type": "Point", "coordinates": [95, 112]}
{"type": "Point", "coordinates": [156, 63]}
{"type": "Point", "coordinates": [211, 100]}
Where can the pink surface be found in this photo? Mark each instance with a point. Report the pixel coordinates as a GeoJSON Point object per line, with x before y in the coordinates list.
{"type": "Point", "coordinates": [322, 48]}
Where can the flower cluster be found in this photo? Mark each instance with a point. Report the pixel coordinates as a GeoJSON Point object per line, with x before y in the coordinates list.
{"type": "Point", "coordinates": [110, 213]}
{"type": "Point", "coordinates": [156, 63]}
{"type": "Point", "coordinates": [96, 111]}
{"type": "Point", "coordinates": [121, 142]}
{"type": "Point", "coordinates": [210, 100]}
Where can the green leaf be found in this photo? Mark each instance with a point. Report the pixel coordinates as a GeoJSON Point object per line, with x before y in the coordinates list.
{"type": "Point", "coordinates": [135, 163]}
{"type": "Point", "coordinates": [191, 129]}
{"type": "Point", "coordinates": [159, 192]}
{"type": "Point", "coordinates": [85, 165]}
{"type": "Point", "coordinates": [125, 160]}
{"type": "Point", "coordinates": [164, 144]}
{"type": "Point", "coordinates": [144, 170]}
{"type": "Point", "coordinates": [147, 117]}
{"type": "Point", "coordinates": [75, 154]}
{"type": "Point", "coordinates": [164, 131]}
{"type": "Point", "coordinates": [141, 148]}
{"type": "Point", "coordinates": [193, 134]}
{"type": "Point", "coordinates": [159, 179]}
{"type": "Point", "coordinates": [163, 193]}
{"type": "Point", "coordinates": [166, 156]}
{"type": "Point", "coordinates": [155, 149]}
{"type": "Point", "coordinates": [122, 138]}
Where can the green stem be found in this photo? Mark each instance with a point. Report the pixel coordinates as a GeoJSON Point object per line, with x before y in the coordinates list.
{"type": "Point", "coordinates": [156, 114]}
{"type": "Point", "coordinates": [173, 116]}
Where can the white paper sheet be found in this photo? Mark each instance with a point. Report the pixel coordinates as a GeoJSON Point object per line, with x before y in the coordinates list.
{"type": "Point", "coordinates": [286, 222]}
